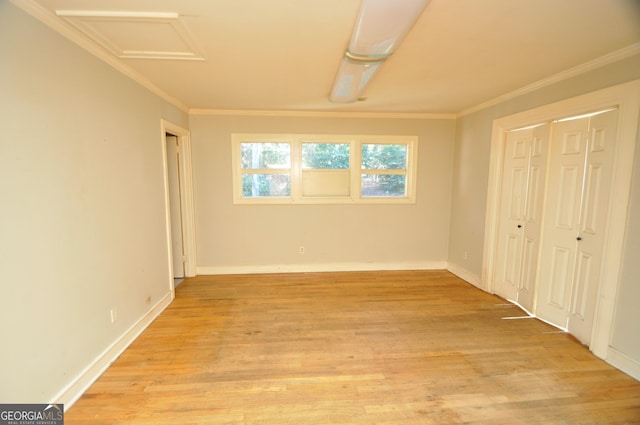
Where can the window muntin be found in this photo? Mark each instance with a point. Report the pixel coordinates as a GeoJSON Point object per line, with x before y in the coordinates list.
{"type": "Point", "coordinates": [270, 168]}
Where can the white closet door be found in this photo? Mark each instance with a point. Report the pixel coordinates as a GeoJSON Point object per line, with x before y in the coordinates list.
{"type": "Point", "coordinates": [566, 168]}
{"type": "Point", "coordinates": [575, 219]}
{"type": "Point", "coordinates": [593, 222]}
{"type": "Point", "coordinates": [539, 142]}
{"type": "Point", "coordinates": [521, 214]}
{"type": "Point", "coordinates": [508, 260]}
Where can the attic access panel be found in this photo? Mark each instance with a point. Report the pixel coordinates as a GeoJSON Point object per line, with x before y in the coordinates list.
{"type": "Point", "coordinates": [137, 35]}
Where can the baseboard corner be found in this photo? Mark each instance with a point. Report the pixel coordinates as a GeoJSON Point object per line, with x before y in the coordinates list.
{"type": "Point", "coordinates": [623, 362]}
{"type": "Point", "coordinates": [465, 275]}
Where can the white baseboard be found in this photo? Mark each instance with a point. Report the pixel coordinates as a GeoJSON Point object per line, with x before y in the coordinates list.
{"type": "Point", "coordinates": [324, 267]}
{"type": "Point", "coordinates": [623, 362]}
{"type": "Point", "coordinates": [465, 275]}
{"type": "Point", "coordinates": [72, 392]}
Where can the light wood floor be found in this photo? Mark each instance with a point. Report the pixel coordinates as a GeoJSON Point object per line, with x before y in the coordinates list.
{"type": "Point", "coordinates": [353, 348]}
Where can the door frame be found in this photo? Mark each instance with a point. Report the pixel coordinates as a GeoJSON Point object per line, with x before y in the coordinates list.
{"type": "Point", "coordinates": [627, 98]}
{"type": "Point", "coordinates": [186, 197]}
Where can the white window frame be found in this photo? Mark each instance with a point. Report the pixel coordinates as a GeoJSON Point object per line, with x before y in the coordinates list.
{"type": "Point", "coordinates": [355, 143]}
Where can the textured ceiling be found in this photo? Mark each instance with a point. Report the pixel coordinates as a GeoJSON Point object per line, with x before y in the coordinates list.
{"type": "Point", "coordinates": [284, 54]}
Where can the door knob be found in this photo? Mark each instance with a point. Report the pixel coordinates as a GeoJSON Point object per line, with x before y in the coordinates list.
{"type": "Point", "coordinates": [578, 238]}
{"type": "Point", "coordinates": [519, 226]}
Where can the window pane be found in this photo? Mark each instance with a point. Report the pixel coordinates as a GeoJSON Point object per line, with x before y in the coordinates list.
{"type": "Point", "coordinates": [380, 156]}
{"type": "Point", "coordinates": [325, 155]}
{"type": "Point", "coordinates": [377, 185]}
{"type": "Point", "coordinates": [266, 185]}
{"type": "Point", "coordinates": [266, 155]}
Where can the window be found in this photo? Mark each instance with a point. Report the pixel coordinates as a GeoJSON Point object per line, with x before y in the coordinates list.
{"type": "Point", "coordinates": [384, 170]}
{"type": "Point", "coordinates": [326, 169]}
{"type": "Point", "coordinates": [266, 169]}
{"type": "Point", "coordinates": [272, 168]}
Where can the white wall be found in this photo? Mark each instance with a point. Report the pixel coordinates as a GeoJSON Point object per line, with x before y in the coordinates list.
{"type": "Point", "coordinates": [239, 238]}
{"type": "Point", "coordinates": [626, 326]}
{"type": "Point", "coordinates": [469, 196]}
{"type": "Point", "coordinates": [83, 221]}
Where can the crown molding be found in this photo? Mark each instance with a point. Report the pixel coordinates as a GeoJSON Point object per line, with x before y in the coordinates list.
{"type": "Point", "coordinates": [48, 18]}
{"type": "Point", "coordinates": [320, 114]}
{"type": "Point", "coordinates": [607, 59]}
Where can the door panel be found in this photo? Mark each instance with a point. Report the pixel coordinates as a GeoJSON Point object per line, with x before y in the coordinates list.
{"type": "Point", "coordinates": [572, 141]}
{"type": "Point", "coordinates": [566, 193]}
{"type": "Point", "coordinates": [521, 213]}
{"type": "Point", "coordinates": [536, 187]}
{"type": "Point", "coordinates": [567, 152]}
{"type": "Point", "coordinates": [529, 264]}
{"type": "Point", "coordinates": [581, 162]}
{"type": "Point", "coordinates": [560, 275]}
{"type": "Point", "coordinates": [593, 222]}
{"type": "Point", "coordinates": [536, 180]}
{"type": "Point", "coordinates": [516, 193]}
{"type": "Point", "coordinates": [511, 269]}
{"type": "Point", "coordinates": [512, 214]}
{"type": "Point", "coordinates": [582, 285]}
{"type": "Point", "coordinates": [592, 202]}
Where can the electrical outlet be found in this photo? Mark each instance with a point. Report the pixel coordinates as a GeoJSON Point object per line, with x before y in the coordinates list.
{"type": "Point", "coordinates": [465, 255]}
{"type": "Point", "coordinates": [301, 250]}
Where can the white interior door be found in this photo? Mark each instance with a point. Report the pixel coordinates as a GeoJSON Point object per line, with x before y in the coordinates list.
{"type": "Point", "coordinates": [575, 220]}
{"type": "Point", "coordinates": [510, 232]}
{"type": "Point", "coordinates": [594, 213]}
{"type": "Point", "coordinates": [536, 178]}
{"type": "Point", "coordinates": [173, 169]}
{"type": "Point", "coordinates": [562, 207]}
{"type": "Point", "coordinates": [521, 213]}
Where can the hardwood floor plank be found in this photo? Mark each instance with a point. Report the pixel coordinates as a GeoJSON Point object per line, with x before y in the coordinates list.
{"type": "Point", "coordinates": [353, 348]}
